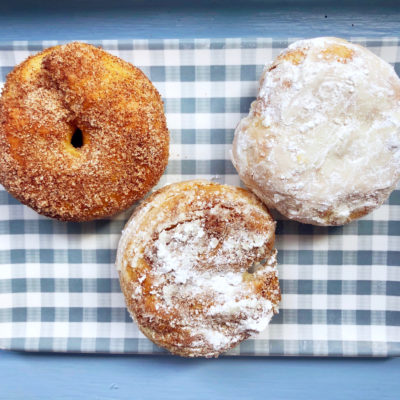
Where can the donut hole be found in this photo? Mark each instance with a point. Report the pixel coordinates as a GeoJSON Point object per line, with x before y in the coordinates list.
{"type": "Point", "coordinates": [77, 139]}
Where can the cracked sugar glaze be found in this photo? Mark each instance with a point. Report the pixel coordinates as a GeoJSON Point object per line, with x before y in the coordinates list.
{"type": "Point", "coordinates": [321, 143]}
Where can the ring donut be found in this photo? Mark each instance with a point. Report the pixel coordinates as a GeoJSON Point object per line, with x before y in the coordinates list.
{"type": "Point", "coordinates": [198, 268]}
{"type": "Point", "coordinates": [83, 133]}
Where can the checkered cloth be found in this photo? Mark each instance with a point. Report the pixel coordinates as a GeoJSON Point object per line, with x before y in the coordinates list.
{"type": "Point", "coordinates": [59, 290]}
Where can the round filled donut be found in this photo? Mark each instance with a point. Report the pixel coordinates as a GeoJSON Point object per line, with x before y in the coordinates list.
{"type": "Point", "coordinates": [321, 143]}
{"type": "Point", "coordinates": [83, 133]}
{"type": "Point", "coordinates": [197, 266]}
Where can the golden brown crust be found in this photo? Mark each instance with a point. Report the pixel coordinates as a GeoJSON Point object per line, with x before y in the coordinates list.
{"type": "Point", "coordinates": [198, 268]}
{"type": "Point", "coordinates": [120, 114]}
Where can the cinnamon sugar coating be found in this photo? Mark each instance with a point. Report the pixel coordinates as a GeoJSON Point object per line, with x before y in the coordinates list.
{"type": "Point", "coordinates": [120, 113]}
{"type": "Point", "coordinates": [197, 266]}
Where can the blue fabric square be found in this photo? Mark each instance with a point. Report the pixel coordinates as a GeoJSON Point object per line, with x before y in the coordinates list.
{"type": "Point", "coordinates": [48, 314]}
{"type": "Point", "coordinates": [397, 68]}
{"type": "Point", "coordinates": [245, 103]}
{"type": "Point", "coordinates": [220, 136]}
{"type": "Point", "coordinates": [104, 314]}
{"type": "Point", "coordinates": [365, 227]}
{"type": "Point", "coordinates": [304, 286]}
{"type": "Point", "coordinates": [45, 343]}
{"type": "Point", "coordinates": [188, 136]}
{"type": "Point", "coordinates": [16, 227]}
{"type": "Point", "coordinates": [393, 318]}
{"type": "Point", "coordinates": [305, 257]}
{"type": "Point", "coordinates": [75, 285]}
{"type": "Point", "coordinates": [363, 317]}
{"type": "Point", "coordinates": [393, 258]}
{"type": "Point", "coordinates": [304, 316]}
{"type": "Point", "coordinates": [74, 344]}
{"type": "Point", "coordinates": [394, 228]}
{"type": "Point", "coordinates": [334, 317]}
{"type": "Point", "coordinates": [157, 73]}
{"type": "Point", "coordinates": [335, 257]}
{"type": "Point", "coordinates": [394, 198]}
{"type": "Point", "coordinates": [46, 256]}
{"type": "Point", "coordinates": [393, 288]}
{"type": "Point", "coordinates": [18, 285]}
{"type": "Point", "coordinates": [104, 256]}
{"type": "Point", "coordinates": [74, 256]}
{"type": "Point", "coordinates": [103, 285]}
{"type": "Point", "coordinates": [286, 227]}
{"type": "Point", "coordinates": [217, 167]}
{"type": "Point", "coordinates": [47, 285]}
{"type": "Point", "coordinates": [74, 228]}
{"type": "Point", "coordinates": [248, 73]}
{"type": "Point", "coordinates": [17, 256]}
{"type": "Point", "coordinates": [45, 226]}
{"type": "Point", "coordinates": [247, 347]}
{"type": "Point", "coordinates": [187, 73]}
{"type": "Point", "coordinates": [6, 198]}
{"type": "Point", "coordinates": [217, 105]}
{"type": "Point", "coordinates": [364, 257]}
{"type": "Point", "coordinates": [103, 344]}
{"type": "Point", "coordinates": [19, 314]}
{"type": "Point", "coordinates": [4, 71]}
{"type": "Point", "coordinates": [364, 287]}
{"type": "Point", "coordinates": [305, 229]}
{"type": "Point", "coordinates": [188, 167]}
{"type": "Point", "coordinates": [335, 348]}
{"type": "Point", "coordinates": [334, 287]}
{"type": "Point", "coordinates": [217, 73]}
{"type": "Point", "coordinates": [188, 105]}
{"type": "Point", "coordinates": [75, 314]}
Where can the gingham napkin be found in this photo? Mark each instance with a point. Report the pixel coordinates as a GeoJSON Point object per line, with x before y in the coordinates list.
{"type": "Point", "coordinates": [59, 289]}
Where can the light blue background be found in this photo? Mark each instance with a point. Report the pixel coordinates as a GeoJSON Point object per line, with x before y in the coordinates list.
{"type": "Point", "coordinates": [118, 19]}
{"type": "Point", "coordinates": [51, 376]}
{"type": "Point", "coordinates": [42, 377]}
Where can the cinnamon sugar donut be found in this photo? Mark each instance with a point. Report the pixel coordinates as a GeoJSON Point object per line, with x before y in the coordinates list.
{"type": "Point", "coordinates": [321, 143]}
{"type": "Point", "coordinates": [82, 133]}
{"type": "Point", "coordinates": [198, 268]}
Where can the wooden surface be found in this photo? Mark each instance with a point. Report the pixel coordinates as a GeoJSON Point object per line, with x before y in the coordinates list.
{"type": "Point", "coordinates": [52, 376]}
{"type": "Point", "coordinates": [107, 19]}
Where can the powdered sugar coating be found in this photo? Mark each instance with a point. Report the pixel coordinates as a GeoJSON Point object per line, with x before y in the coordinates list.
{"type": "Point", "coordinates": [321, 143]}
{"type": "Point", "coordinates": [184, 260]}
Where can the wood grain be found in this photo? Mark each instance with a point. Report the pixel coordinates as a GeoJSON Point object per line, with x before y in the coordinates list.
{"type": "Point", "coordinates": [104, 19]}
{"type": "Point", "coordinates": [49, 377]}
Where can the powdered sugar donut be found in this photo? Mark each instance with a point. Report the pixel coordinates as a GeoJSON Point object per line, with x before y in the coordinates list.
{"type": "Point", "coordinates": [321, 143]}
{"type": "Point", "coordinates": [198, 268]}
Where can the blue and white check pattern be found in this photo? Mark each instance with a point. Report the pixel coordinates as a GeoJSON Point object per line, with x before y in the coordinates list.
{"type": "Point", "coordinates": [59, 290]}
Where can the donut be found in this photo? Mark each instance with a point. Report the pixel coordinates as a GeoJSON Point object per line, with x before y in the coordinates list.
{"type": "Point", "coordinates": [197, 267]}
{"type": "Point", "coordinates": [83, 133]}
{"type": "Point", "coordinates": [321, 143]}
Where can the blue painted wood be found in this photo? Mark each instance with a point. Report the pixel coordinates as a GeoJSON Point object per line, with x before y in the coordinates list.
{"type": "Point", "coordinates": [51, 376]}
{"type": "Point", "coordinates": [118, 19]}
{"type": "Point", "coordinates": [46, 376]}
